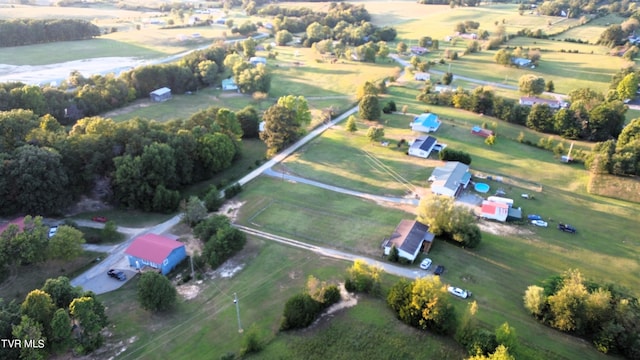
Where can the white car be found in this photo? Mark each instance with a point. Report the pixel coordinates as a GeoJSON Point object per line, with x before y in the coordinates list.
{"type": "Point", "coordinates": [540, 223]}
{"type": "Point", "coordinates": [459, 292]}
{"type": "Point", "coordinates": [425, 264]}
{"type": "Point", "coordinates": [52, 231]}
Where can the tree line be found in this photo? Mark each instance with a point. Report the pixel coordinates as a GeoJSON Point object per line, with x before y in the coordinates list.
{"type": "Point", "coordinates": [80, 97]}
{"type": "Point", "coordinates": [138, 163]}
{"type": "Point", "coordinates": [19, 32]}
{"type": "Point", "coordinates": [590, 116]}
{"type": "Point", "coordinates": [606, 315]}
{"type": "Point", "coordinates": [347, 23]}
{"type": "Point", "coordinates": [57, 317]}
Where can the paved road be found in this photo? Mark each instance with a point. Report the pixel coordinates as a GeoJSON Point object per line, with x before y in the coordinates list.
{"type": "Point", "coordinates": [413, 272]}
{"type": "Point", "coordinates": [96, 279]}
{"type": "Point", "coordinates": [298, 179]}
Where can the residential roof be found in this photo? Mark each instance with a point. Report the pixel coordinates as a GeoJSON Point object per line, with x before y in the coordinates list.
{"type": "Point", "coordinates": [228, 82]}
{"type": "Point", "coordinates": [427, 120]}
{"type": "Point", "coordinates": [409, 234]}
{"type": "Point", "coordinates": [161, 91]}
{"type": "Point", "coordinates": [18, 221]}
{"type": "Point", "coordinates": [489, 207]}
{"type": "Point", "coordinates": [451, 175]}
{"type": "Point", "coordinates": [520, 61]}
{"type": "Point", "coordinates": [536, 100]}
{"type": "Point", "coordinates": [424, 143]}
{"type": "Point", "coordinates": [152, 247]}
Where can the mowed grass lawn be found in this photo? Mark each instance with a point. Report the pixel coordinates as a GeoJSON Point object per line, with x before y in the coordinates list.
{"type": "Point", "coordinates": [206, 327]}
{"type": "Point", "coordinates": [317, 216]}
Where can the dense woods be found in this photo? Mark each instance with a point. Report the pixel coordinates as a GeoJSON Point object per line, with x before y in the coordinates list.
{"type": "Point", "coordinates": [37, 31]}
{"type": "Point", "coordinates": [137, 163]}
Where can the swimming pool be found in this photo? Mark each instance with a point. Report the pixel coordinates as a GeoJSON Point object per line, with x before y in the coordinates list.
{"type": "Point", "coordinates": [482, 187]}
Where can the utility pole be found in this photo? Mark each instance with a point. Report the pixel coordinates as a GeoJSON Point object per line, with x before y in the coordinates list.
{"type": "Point", "coordinates": [191, 261]}
{"type": "Point", "coordinates": [235, 301]}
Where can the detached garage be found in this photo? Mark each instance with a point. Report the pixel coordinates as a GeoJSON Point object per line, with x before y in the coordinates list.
{"type": "Point", "coordinates": [156, 251]}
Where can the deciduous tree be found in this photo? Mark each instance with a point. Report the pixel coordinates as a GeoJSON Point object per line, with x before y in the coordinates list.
{"type": "Point", "coordinates": [280, 130]}
{"type": "Point", "coordinates": [375, 133]}
{"type": "Point", "coordinates": [155, 292]}
{"type": "Point", "coordinates": [350, 125]}
{"type": "Point", "coordinates": [66, 244]}
{"type": "Point", "coordinates": [531, 84]}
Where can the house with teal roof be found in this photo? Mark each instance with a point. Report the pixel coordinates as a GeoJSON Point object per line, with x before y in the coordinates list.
{"type": "Point", "coordinates": [426, 123]}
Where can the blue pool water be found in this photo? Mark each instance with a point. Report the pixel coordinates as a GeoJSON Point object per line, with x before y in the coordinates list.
{"type": "Point", "coordinates": [482, 187]}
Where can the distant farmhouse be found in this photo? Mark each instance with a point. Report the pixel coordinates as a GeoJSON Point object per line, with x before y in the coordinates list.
{"type": "Point", "coordinates": [450, 179]}
{"type": "Point", "coordinates": [554, 104]}
{"type": "Point", "coordinates": [418, 50]}
{"type": "Point", "coordinates": [258, 60]}
{"type": "Point", "coordinates": [410, 237]}
{"type": "Point", "coordinates": [422, 146]}
{"type": "Point", "coordinates": [162, 94]}
{"type": "Point", "coordinates": [426, 123]}
{"type": "Point", "coordinates": [521, 62]}
{"type": "Point", "coordinates": [421, 76]}
{"type": "Point", "coordinates": [19, 222]}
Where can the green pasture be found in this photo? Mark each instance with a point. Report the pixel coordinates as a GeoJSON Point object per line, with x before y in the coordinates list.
{"type": "Point", "coordinates": [550, 45]}
{"type": "Point", "coordinates": [127, 218]}
{"type": "Point", "coordinates": [317, 216]}
{"type": "Point", "coordinates": [352, 161]}
{"type": "Point", "coordinates": [53, 53]}
{"type": "Point", "coordinates": [591, 31]}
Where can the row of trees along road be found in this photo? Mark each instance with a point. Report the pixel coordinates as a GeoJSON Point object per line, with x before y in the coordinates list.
{"type": "Point", "coordinates": [56, 318]}
{"type": "Point", "coordinates": [137, 163]}
{"type": "Point", "coordinates": [79, 97]}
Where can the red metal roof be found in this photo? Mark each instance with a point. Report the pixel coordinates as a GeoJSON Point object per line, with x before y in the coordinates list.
{"type": "Point", "coordinates": [152, 247]}
{"type": "Point", "coordinates": [19, 221]}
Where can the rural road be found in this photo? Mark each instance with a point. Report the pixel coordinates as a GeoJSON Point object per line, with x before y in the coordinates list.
{"type": "Point", "coordinates": [412, 273]}
{"type": "Point", "coordinates": [297, 179]}
{"type": "Point", "coordinates": [96, 280]}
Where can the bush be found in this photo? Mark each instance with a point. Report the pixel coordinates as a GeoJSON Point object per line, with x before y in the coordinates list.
{"type": "Point", "coordinates": [232, 191]}
{"type": "Point", "coordinates": [299, 312]}
{"type": "Point", "coordinates": [389, 107]}
{"type": "Point", "coordinates": [448, 154]}
{"type": "Point", "coordinates": [155, 292]}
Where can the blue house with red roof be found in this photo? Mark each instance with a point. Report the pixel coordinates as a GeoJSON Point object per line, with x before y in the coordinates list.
{"type": "Point", "coordinates": [156, 251]}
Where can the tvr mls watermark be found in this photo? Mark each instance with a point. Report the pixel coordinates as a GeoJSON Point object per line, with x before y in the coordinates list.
{"type": "Point", "coordinates": [19, 343]}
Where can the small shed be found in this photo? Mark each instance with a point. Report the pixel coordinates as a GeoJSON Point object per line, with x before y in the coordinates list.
{"type": "Point", "coordinates": [162, 94]}
{"type": "Point", "coordinates": [156, 251]}
{"type": "Point", "coordinates": [478, 131]}
{"type": "Point", "coordinates": [229, 84]}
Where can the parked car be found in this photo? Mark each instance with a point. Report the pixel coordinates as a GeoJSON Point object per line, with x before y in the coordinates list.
{"type": "Point", "coordinates": [540, 223]}
{"type": "Point", "coordinates": [101, 219]}
{"type": "Point", "coordinates": [534, 217]}
{"type": "Point", "coordinates": [52, 231]}
{"type": "Point", "coordinates": [117, 274]}
{"type": "Point", "coordinates": [439, 270]}
{"type": "Point", "coordinates": [459, 292]}
{"type": "Point", "coordinates": [425, 264]}
{"type": "Point", "coordinates": [567, 228]}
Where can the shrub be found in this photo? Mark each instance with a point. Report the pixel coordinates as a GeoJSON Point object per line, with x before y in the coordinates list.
{"type": "Point", "coordinates": [299, 312]}
{"type": "Point", "coordinates": [232, 191]}
{"type": "Point", "coordinates": [448, 154]}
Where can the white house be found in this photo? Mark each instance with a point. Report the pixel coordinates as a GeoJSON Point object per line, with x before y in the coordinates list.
{"type": "Point", "coordinates": [422, 146]}
{"type": "Point", "coordinates": [450, 179]}
{"type": "Point", "coordinates": [426, 123]}
{"type": "Point", "coordinates": [494, 210]}
{"type": "Point", "coordinates": [421, 76]}
{"type": "Point", "coordinates": [255, 60]}
{"type": "Point", "coordinates": [554, 104]}
{"type": "Point", "coordinates": [410, 237]}
{"type": "Point", "coordinates": [521, 62]}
